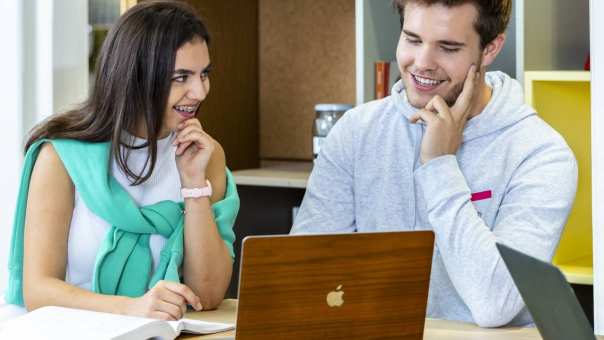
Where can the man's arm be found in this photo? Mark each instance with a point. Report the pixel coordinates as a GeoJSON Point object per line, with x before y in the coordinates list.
{"type": "Point", "coordinates": [328, 204]}
{"type": "Point", "coordinates": [530, 218]}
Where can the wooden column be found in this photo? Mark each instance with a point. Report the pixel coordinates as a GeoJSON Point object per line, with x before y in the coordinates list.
{"type": "Point", "coordinates": [230, 113]}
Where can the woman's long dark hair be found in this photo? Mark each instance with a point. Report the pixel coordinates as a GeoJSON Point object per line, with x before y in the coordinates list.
{"type": "Point", "coordinates": [132, 85]}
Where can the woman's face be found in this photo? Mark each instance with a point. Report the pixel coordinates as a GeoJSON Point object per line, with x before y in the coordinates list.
{"type": "Point", "coordinates": [190, 84]}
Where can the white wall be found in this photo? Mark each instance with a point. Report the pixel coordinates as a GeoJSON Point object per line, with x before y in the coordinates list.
{"type": "Point", "coordinates": [44, 67]}
{"type": "Point", "coordinates": [597, 156]}
{"type": "Point", "coordinates": [70, 53]}
{"type": "Point", "coordinates": [11, 97]}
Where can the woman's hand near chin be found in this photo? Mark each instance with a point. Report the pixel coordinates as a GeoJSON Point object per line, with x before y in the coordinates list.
{"type": "Point", "coordinates": [194, 148]}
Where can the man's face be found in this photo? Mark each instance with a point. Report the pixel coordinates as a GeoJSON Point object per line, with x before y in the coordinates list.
{"type": "Point", "coordinates": [436, 48]}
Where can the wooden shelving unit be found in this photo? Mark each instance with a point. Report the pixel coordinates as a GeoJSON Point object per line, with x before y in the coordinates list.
{"type": "Point", "coordinates": [562, 98]}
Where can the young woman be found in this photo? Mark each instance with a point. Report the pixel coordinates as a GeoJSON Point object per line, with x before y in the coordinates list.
{"type": "Point", "coordinates": [126, 205]}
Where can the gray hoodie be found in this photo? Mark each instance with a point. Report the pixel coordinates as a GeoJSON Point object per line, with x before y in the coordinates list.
{"type": "Point", "coordinates": [513, 181]}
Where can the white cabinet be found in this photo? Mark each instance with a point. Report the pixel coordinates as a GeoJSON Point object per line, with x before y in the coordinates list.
{"type": "Point", "coordinates": [597, 156]}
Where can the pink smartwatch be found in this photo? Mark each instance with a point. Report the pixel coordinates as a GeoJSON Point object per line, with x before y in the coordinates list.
{"type": "Point", "coordinates": [197, 192]}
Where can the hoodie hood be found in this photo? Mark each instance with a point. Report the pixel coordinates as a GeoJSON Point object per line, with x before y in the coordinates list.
{"type": "Point", "coordinates": [505, 108]}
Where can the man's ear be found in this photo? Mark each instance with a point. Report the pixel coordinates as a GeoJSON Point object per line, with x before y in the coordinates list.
{"type": "Point", "coordinates": [490, 52]}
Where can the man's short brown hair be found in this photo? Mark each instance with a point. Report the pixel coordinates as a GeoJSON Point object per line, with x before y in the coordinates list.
{"type": "Point", "coordinates": [493, 15]}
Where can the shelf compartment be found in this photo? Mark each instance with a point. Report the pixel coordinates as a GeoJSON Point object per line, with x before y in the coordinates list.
{"type": "Point", "coordinates": [562, 98]}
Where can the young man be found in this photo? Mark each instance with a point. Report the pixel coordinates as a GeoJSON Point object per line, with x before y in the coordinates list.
{"type": "Point", "coordinates": [453, 150]}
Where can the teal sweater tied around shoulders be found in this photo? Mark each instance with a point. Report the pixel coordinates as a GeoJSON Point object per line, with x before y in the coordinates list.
{"type": "Point", "coordinates": [124, 265]}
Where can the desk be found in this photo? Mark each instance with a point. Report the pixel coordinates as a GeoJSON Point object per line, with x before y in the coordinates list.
{"type": "Point", "coordinates": [276, 174]}
{"type": "Point", "coordinates": [434, 329]}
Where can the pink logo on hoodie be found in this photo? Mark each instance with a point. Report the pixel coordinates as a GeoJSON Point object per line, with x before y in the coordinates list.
{"type": "Point", "coordinates": [479, 196]}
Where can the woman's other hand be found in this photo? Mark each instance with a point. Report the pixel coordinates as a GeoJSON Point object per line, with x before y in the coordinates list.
{"type": "Point", "coordinates": [166, 300]}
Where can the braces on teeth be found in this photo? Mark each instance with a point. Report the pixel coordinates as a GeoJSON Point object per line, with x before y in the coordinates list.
{"type": "Point", "coordinates": [185, 108]}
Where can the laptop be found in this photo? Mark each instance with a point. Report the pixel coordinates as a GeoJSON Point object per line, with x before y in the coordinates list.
{"type": "Point", "coordinates": [548, 297]}
{"type": "Point", "coordinates": [336, 286]}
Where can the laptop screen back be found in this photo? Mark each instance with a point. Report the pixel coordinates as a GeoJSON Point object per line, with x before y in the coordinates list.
{"type": "Point", "coordinates": [548, 297]}
{"type": "Point", "coordinates": [343, 286]}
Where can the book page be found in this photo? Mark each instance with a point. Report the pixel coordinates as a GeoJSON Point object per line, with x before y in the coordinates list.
{"type": "Point", "coordinates": [199, 327]}
{"type": "Point", "coordinates": [51, 322]}
{"type": "Point", "coordinates": [156, 329]}
{"type": "Point", "coordinates": [48, 323]}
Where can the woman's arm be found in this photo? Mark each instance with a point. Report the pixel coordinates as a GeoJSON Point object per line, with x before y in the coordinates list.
{"type": "Point", "coordinates": [50, 207]}
{"type": "Point", "coordinates": [207, 265]}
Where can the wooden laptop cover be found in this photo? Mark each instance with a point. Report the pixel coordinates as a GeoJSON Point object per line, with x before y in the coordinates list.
{"type": "Point", "coordinates": [285, 280]}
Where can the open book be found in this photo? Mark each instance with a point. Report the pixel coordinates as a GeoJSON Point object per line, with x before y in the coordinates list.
{"type": "Point", "coordinates": [67, 323]}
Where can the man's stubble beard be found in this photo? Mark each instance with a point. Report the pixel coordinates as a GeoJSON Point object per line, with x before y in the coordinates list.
{"type": "Point", "coordinates": [451, 97]}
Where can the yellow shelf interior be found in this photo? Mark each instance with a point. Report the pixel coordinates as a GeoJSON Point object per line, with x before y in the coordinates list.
{"type": "Point", "coordinates": [563, 100]}
{"type": "Point", "coordinates": [579, 271]}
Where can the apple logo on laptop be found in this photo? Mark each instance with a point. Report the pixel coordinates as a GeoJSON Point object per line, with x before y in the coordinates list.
{"type": "Point", "coordinates": [335, 298]}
